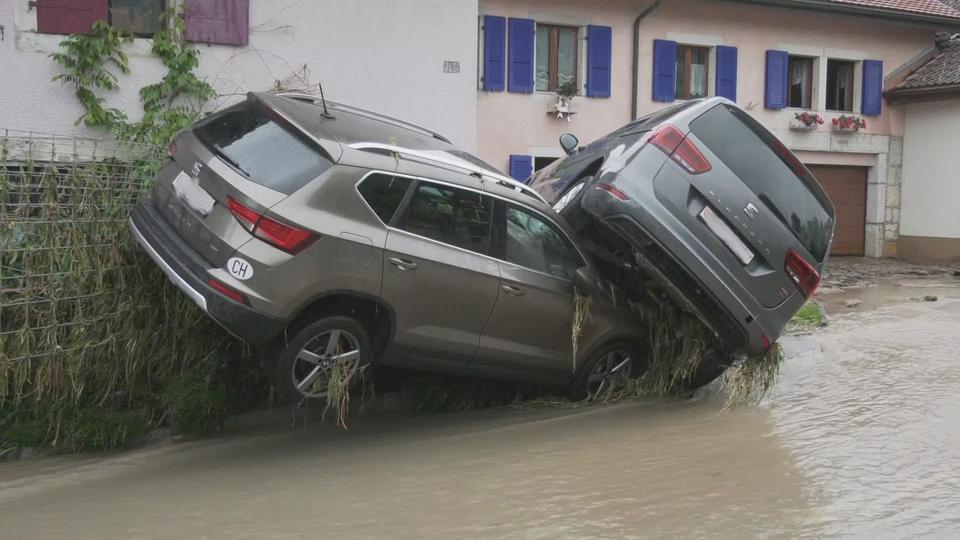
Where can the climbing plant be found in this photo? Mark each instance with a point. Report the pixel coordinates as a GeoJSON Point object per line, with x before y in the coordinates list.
{"type": "Point", "coordinates": [168, 106]}
{"type": "Point", "coordinates": [86, 59]}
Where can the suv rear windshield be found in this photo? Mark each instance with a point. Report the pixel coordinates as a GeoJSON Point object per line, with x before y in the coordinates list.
{"type": "Point", "coordinates": [261, 149]}
{"type": "Point", "coordinates": [771, 171]}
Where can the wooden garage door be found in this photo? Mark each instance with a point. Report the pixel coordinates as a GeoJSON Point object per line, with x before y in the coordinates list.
{"type": "Point", "coordinates": [847, 188]}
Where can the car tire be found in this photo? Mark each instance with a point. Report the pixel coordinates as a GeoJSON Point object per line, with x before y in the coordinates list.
{"type": "Point", "coordinates": [713, 365]}
{"type": "Point", "coordinates": [303, 361]}
{"type": "Point", "coordinates": [605, 363]}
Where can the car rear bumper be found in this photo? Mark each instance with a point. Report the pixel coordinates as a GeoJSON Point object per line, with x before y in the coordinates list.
{"type": "Point", "coordinates": [189, 272]}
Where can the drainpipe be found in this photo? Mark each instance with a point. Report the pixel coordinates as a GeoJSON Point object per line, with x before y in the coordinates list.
{"type": "Point", "coordinates": [636, 57]}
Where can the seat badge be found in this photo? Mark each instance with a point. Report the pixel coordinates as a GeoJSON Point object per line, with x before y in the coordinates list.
{"type": "Point", "coordinates": [197, 167]}
{"type": "Point", "coordinates": [750, 210]}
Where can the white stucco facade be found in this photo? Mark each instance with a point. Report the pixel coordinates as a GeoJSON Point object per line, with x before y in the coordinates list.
{"type": "Point", "coordinates": [385, 55]}
{"type": "Point", "coordinates": [931, 178]}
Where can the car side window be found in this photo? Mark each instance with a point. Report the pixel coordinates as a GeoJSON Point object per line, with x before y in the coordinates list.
{"type": "Point", "coordinates": [532, 242]}
{"type": "Point", "coordinates": [384, 193]}
{"type": "Point", "coordinates": [454, 216]}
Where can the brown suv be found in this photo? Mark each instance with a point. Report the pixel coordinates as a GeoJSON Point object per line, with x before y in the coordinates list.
{"type": "Point", "coordinates": [343, 236]}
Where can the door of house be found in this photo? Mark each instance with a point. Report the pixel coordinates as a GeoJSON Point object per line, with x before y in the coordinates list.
{"type": "Point", "coordinates": [847, 188]}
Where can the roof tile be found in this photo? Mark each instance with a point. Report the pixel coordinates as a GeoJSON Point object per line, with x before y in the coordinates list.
{"type": "Point", "coordinates": [940, 8]}
{"type": "Point", "coordinates": [942, 70]}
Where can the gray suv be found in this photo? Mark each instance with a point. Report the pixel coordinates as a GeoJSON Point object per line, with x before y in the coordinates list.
{"type": "Point", "coordinates": [341, 237]}
{"type": "Point", "coordinates": [701, 203]}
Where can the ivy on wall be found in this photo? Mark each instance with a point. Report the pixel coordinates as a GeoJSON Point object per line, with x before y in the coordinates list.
{"type": "Point", "coordinates": [89, 61]}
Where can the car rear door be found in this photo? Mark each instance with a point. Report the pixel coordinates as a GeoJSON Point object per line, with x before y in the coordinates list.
{"type": "Point", "coordinates": [438, 276]}
{"type": "Point", "coordinates": [750, 202]}
{"type": "Point", "coordinates": [247, 154]}
{"type": "Point", "coordinates": [530, 327]}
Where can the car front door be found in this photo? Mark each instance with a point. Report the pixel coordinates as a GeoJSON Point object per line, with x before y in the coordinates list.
{"type": "Point", "coordinates": [438, 276]}
{"type": "Point", "coordinates": [529, 331]}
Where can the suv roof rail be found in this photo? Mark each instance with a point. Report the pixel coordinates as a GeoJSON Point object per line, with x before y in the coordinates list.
{"type": "Point", "coordinates": [366, 112]}
{"type": "Point", "coordinates": [450, 162]}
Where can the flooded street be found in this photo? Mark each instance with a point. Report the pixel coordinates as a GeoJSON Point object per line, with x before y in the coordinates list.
{"type": "Point", "coordinates": [860, 437]}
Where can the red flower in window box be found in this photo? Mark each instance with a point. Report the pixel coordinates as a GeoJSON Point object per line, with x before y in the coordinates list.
{"type": "Point", "coordinates": [806, 120]}
{"type": "Point", "coordinates": [849, 123]}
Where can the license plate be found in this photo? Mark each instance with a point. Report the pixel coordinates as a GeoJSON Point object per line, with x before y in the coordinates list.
{"type": "Point", "coordinates": [727, 235]}
{"type": "Point", "coordinates": [189, 191]}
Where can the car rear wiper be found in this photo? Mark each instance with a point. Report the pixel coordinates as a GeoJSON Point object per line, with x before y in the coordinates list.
{"type": "Point", "coordinates": [230, 160]}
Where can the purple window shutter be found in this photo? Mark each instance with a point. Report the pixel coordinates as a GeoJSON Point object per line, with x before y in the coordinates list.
{"type": "Point", "coordinates": [521, 166]}
{"type": "Point", "coordinates": [727, 72]}
{"type": "Point", "coordinates": [520, 52]}
{"type": "Point", "coordinates": [599, 59]}
{"type": "Point", "coordinates": [664, 70]}
{"type": "Point", "coordinates": [872, 87]}
{"type": "Point", "coordinates": [218, 21]}
{"type": "Point", "coordinates": [494, 52]}
{"type": "Point", "coordinates": [69, 16]}
{"type": "Point", "coordinates": [775, 96]}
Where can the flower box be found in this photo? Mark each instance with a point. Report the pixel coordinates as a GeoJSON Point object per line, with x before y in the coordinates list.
{"type": "Point", "coordinates": [806, 121]}
{"type": "Point", "coordinates": [848, 124]}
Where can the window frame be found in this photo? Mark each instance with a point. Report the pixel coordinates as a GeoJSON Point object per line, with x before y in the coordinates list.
{"type": "Point", "coordinates": [164, 5]}
{"type": "Point", "coordinates": [403, 200]}
{"type": "Point", "coordinates": [851, 97]}
{"type": "Point", "coordinates": [688, 48]}
{"type": "Point", "coordinates": [811, 74]}
{"type": "Point", "coordinates": [500, 238]}
{"type": "Point", "coordinates": [408, 198]}
{"type": "Point", "coordinates": [554, 53]}
{"type": "Point", "coordinates": [497, 231]}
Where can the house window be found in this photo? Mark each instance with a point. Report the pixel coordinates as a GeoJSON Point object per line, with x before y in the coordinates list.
{"type": "Point", "coordinates": [540, 162]}
{"type": "Point", "coordinates": [139, 17]}
{"type": "Point", "coordinates": [556, 57]}
{"type": "Point", "coordinates": [840, 85]}
{"type": "Point", "coordinates": [800, 89]}
{"type": "Point", "coordinates": [692, 71]}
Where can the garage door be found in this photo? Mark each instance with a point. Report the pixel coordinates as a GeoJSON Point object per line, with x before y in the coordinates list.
{"type": "Point", "coordinates": [847, 188]}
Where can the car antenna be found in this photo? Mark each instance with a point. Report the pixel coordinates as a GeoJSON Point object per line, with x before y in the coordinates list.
{"type": "Point", "coordinates": [326, 114]}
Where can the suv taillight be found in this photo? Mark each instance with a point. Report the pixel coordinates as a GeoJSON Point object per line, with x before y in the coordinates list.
{"type": "Point", "coordinates": [288, 238]}
{"type": "Point", "coordinates": [802, 273]}
{"type": "Point", "coordinates": [680, 149]}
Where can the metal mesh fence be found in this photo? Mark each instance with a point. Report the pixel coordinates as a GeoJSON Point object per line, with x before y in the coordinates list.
{"type": "Point", "coordinates": [83, 317]}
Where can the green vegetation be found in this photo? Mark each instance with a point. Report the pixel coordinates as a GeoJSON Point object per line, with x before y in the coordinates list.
{"type": "Point", "coordinates": [89, 60]}
{"type": "Point", "coordinates": [91, 332]}
{"type": "Point", "coordinates": [809, 315]}
{"type": "Point", "coordinates": [197, 403]}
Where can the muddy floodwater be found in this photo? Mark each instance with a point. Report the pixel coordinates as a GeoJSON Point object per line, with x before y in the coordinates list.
{"type": "Point", "coordinates": [861, 437]}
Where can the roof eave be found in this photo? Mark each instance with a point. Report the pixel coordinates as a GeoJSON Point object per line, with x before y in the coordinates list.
{"type": "Point", "coordinates": [864, 11]}
{"type": "Point", "coordinates": [922, 93]}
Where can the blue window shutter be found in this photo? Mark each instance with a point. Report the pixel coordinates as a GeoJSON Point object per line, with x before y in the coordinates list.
{"type": "Point", "coordinates": [599, 60]}
{"type": "Point", "coordinates": [727, 72]}
{"type": "Point", "coordinates": [522, 34]}
{"type": "Point", "coordinates": [494, 52]}
{"type": "Point", "coordinates": [872, 87]}
{"type": "Point", "coordinates": [521, 166]}
{"type": "Point", "coordinates": [664, 70]}
{"type": "Point", "coordinates": [775, 96]}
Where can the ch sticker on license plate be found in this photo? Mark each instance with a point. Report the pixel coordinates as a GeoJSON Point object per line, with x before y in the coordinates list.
{"type": "Point", "coordinates": [239, 268]}
{"type": "Point", "coordinates": [188, 190]}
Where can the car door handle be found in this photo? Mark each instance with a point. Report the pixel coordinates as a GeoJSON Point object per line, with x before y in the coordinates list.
{"type": "Point", "coordinates": [403, 264]}
{"type": "Point", "coordinates": [510, 289]}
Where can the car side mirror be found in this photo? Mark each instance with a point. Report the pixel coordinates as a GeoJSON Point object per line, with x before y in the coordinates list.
{"type": "Point", "coordinates": [585, 281]}
{"type": "Point", "coordinates": [569, 142]}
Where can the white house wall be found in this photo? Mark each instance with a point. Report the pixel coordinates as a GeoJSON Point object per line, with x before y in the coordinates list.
{"type": "Point", "coordinates": [929, 219]}
{"type": "Point", "coordinates": [386, 55]}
